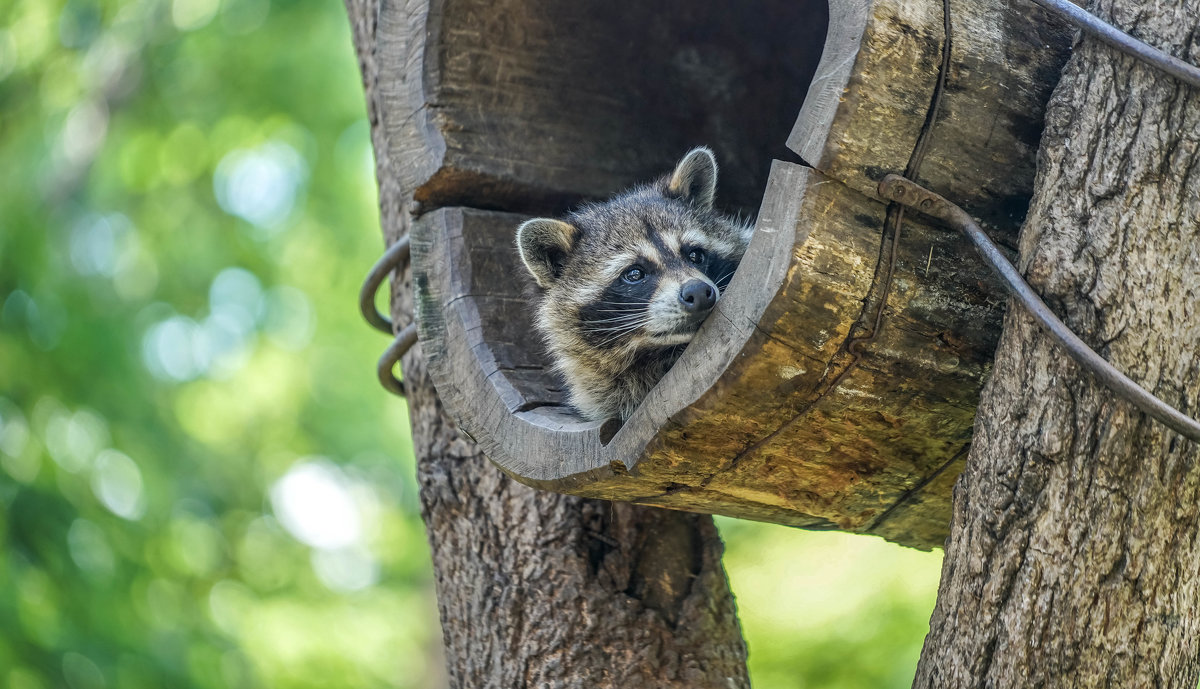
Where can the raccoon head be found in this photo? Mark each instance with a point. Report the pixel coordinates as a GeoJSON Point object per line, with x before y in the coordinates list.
{"type": "Point", "coordinates": [632, 276]}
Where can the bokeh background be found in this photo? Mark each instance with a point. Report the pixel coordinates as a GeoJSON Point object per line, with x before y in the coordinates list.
{"type": "Point", "coordinates": [201, 483]}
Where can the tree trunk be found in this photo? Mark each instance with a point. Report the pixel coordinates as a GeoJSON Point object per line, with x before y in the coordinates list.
{"type": "Point", "coordinates": [1073, 558]}
{"type": "Point", "coordinates": [538, 589]}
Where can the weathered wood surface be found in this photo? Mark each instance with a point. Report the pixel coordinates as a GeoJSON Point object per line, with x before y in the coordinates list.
{"type": "Point", "coordinates": [533, 105]}
{"type": "Point", "coordinates": [773, 413]}
{"type": "Point", "coordinates": [867, 103]}
{"type": "Point", "coordinates": [537, 589]}
{"type": "Point", "coordinates": [1074, 559]}
{"type": "Point", "coordinates": [870, 98]}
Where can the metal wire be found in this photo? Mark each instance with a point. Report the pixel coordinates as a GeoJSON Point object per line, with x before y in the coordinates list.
{"type": "Point", "coordinates": [385, 369]}
{"type": "Point", "coordinates": [391, 259]}
{"type": "Point", "coordinates": [901, 190]}
{"type": "Point", "coordinates": [1081, 18]}
{"type": "Point", "coordinates": [406, 338]}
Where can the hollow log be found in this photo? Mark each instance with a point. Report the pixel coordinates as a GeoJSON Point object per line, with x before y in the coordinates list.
{"type": "Point", "coordinates": [836, 383]}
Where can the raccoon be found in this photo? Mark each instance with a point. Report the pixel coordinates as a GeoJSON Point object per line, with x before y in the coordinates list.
{"type": "Point", "coordinates": [623, 285]}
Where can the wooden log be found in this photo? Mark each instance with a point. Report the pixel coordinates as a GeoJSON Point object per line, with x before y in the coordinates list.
{"type": "Point", "coordinates": [772, 439]}
{"type": "Point", "coordinates": [791, 405]}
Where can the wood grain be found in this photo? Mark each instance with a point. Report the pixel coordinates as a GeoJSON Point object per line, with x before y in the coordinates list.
{"type": "Point", "coordinates": [532, 105]}
{"type": "Point", "coordinates": [872, 92]}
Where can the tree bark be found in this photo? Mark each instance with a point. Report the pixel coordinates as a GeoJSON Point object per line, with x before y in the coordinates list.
{"type": "Point", "coordinates": [537, 589]}
{"type": "Point", "coordinates": [1073, 558]}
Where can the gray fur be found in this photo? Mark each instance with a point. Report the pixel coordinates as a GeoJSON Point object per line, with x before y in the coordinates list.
{"type": "Point", "coordinates": [610, 338]}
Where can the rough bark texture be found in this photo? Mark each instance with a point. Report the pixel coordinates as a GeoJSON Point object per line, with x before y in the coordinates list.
{"type": "Point", "coordinates": [537, 589]}
{"type": "Point", "coordinates": [1074, 558]}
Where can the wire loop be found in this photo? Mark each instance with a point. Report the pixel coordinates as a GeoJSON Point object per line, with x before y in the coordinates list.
{"type": "Point", "coordinates": [391, 259]}
{"type": "Point", "coordinates": [399, 347]}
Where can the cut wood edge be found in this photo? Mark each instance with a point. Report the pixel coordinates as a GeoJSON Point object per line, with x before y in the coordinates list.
{"type": "Point", "coordinates": [405, 57]}
{"type": "Point", "coordinates": [810, 135]}
{"type": "Point", "coordinates": [875, 94]}
{"type": "Point", "coordinates": [866, 105]}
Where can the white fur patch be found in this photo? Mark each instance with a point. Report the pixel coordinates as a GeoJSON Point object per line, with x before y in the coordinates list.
{"type": "Point", "coordinates": [616, 265]}
{"type": "Point", "coordinates": [649, 252]}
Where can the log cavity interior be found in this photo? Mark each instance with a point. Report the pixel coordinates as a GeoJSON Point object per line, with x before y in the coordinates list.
{"type": "Point", "coordinates": [605, 96]}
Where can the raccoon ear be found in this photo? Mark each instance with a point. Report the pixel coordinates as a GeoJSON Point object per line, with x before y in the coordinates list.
{"type": "Point", "coordinates": [695, 178]}
{"type": "Point", "coordinates": [544, 244]}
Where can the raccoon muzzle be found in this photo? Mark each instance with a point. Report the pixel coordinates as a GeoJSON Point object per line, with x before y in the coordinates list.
{"type": "Point", "coordinates": [697, 297]}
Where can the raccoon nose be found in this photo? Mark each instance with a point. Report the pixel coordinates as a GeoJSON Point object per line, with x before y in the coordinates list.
{"type": "Point", "coordinates": [697, 296]}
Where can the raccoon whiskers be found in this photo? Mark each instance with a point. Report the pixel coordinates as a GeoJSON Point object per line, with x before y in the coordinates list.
{"type": "Point", "coordinates": [611, 316]}
{"type": "Point", "coordinates": [617, 320]}
{"type": "Point", "coordinates": [624, 306]}
{"type": "Point", "coordinates": [631, 320]}
{"type": "Point", "coordinates": [620, 312]}
{"type": "Point", "coordinates": [610, 335]}
{"type": "Point", "coordinates": [621, 317]}
{"type": "Point", "coordinates": [617, 334]}
{"type": "Point", "coordinates": [723, 281]}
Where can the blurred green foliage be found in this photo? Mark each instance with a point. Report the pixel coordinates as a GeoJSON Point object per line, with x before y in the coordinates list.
{"type": "Point", "coordinates": [829, 610]}
{"type": "Point", "coordinates": [201, 483]}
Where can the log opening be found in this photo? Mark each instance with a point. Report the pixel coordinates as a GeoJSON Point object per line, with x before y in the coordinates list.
{"type": "Point", "coordinates": [602, 100]}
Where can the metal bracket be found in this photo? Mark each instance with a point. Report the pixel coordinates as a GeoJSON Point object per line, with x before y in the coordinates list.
{"type": "Point", "coordinates": [903, 191]}
{"type": "Point", "coordinates": [391, 259]}
{"type": "Point", "coordinates": [1086, 21]}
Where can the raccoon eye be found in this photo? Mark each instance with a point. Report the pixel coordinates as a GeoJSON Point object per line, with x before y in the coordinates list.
{"type": "Point", "coordinates": [633, 274]}
{"type": "Point", "coordinates": [696, 256]}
